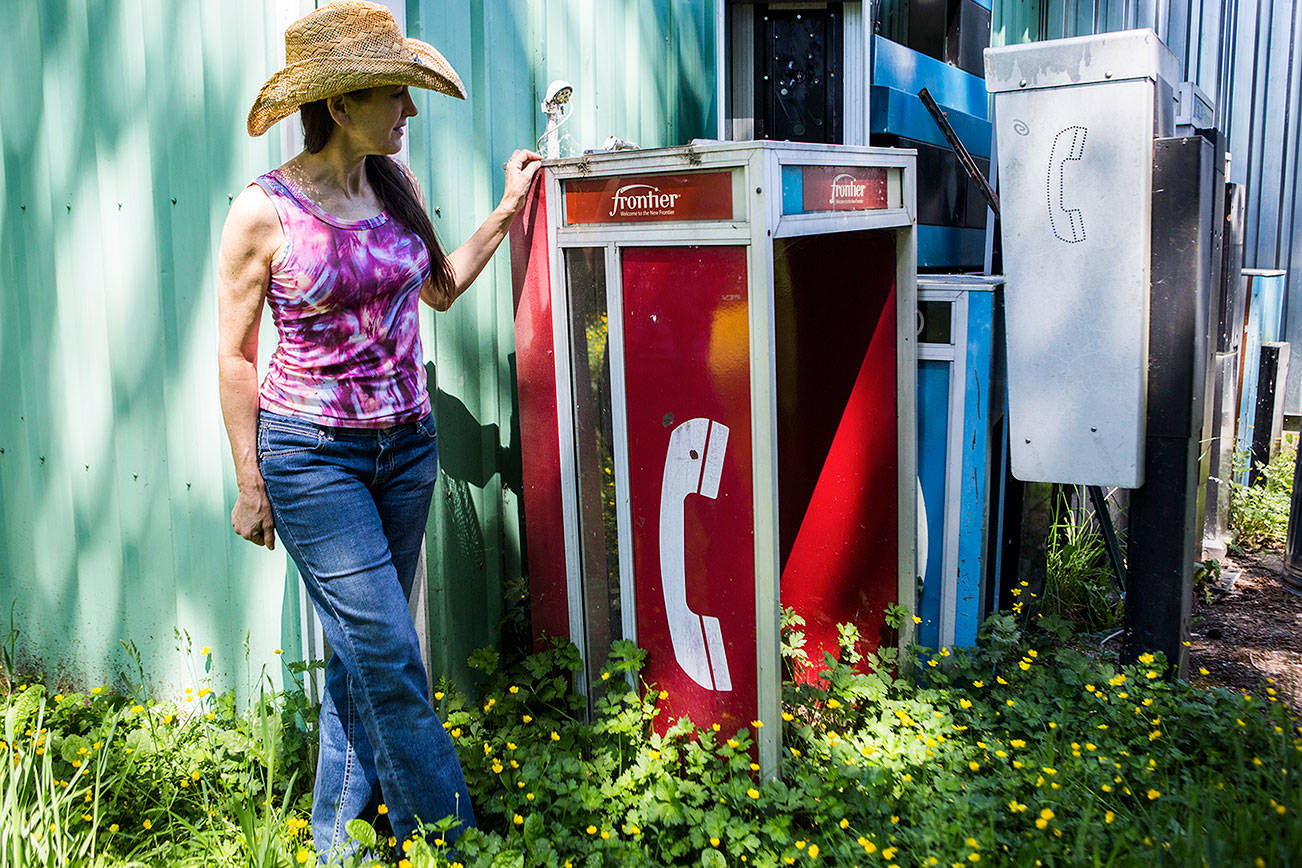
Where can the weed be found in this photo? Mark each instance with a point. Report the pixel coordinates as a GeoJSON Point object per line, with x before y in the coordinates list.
{"type": "Point", "coordinates": [1259, 513]}
{"type": "Point", "coordinates": [1079, 585]}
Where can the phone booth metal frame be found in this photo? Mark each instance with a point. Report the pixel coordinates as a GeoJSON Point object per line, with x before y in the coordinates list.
{"type": "Point", "coordinates": [765, 186]}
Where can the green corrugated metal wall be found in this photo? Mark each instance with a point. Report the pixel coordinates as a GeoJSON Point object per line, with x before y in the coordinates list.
{"type": "Point", "coordinates": [642, 70]}
{"type": "Point", "coordinates": [122, 127]}
{"type": "Point", "coordinates": [122, 130]}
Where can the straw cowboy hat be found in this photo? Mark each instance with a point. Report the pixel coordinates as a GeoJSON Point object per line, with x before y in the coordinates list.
{"type": "Point", "coordinates": [344, 47]}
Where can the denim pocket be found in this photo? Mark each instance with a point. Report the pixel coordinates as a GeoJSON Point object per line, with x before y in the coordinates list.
{"type": "Point", "coordinates": [425, 428]}
{"type": "Point", "coordinates": [282, 438]}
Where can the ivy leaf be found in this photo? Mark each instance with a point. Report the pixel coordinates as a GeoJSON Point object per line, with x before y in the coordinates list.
{"type": "Point", "coordinates": [362, 832]}
{"type": "Point", "coordinates": [712, 858]}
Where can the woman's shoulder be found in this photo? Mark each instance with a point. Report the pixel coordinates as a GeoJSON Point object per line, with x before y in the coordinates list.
{"type": "Point", "coordinates": [253, 207]}
{"type": "Point", "coordinates": [252, 221]}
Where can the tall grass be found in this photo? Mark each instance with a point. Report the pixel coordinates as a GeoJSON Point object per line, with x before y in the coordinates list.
{"type": "Point", "coordinates": [1080, 586]}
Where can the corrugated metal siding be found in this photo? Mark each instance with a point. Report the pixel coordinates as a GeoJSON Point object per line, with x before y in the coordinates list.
{"type": "Point", "coordinates": [122, 127]}
{"type": "Point", "coordinates": [642, 71]}
{"type": "Point", "coordinates": [1245, 56]}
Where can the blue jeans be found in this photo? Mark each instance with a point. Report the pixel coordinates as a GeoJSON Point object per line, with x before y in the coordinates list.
{"type": "Point", "coordinates": [350, 506]}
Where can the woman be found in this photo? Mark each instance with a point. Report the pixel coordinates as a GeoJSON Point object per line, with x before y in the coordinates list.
{"type": "Point", "coordinates": [336, 450]}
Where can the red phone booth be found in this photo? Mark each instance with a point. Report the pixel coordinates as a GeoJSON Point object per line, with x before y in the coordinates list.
{"type": "Point", "coordinates": [716, 363]}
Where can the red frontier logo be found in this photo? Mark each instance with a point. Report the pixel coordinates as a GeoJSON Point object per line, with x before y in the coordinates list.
{"type": "Point", "coordinates": [847, 189]}
{"type": "Point", "coordinates": [643, 199]}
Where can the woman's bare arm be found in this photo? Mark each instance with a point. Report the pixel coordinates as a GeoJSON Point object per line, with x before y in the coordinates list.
{"type": "Point", "coordinates": [250, 239]}
{"type": "Point", "coordinates": [469, 259]}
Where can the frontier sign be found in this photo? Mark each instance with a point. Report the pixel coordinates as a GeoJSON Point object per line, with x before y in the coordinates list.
{"type": "Point", "coordinates": [649, 198]}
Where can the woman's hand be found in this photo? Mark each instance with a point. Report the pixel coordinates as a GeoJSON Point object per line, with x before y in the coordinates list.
{"type": "Point", "coordinates": [251, 518]}
{"type": "Point", "coordinates": [520, 170]}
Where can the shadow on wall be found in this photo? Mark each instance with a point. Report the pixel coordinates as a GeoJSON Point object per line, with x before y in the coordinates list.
{"type": "Point", "coordinates": [122, 140]}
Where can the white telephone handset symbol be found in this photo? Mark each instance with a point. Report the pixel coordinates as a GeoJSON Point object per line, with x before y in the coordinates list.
{"type": "Point", "coordinates": [1066, 222]}
{"type": "Point", "coordinates": [693, 465]}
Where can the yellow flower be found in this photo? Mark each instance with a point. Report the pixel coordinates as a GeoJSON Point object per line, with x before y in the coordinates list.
{"type": "Point", "coordinates": [383, 809]}
{"type": "Point", "coordinates": [1016, 807]}
{"type": "Point", "coordinates": [973, 765]}
{"type": "Point", "coordinates": [513, 689]}
{"type": "Point", "coordinates": [301, 856]}
{"type": "Point", "coordinates": [714, 727]}
{"type": "Point", "coordinates": [456, 733]}
{"type": "Point", "coordinates": [279, 651]}
{"type": "Point", "coordinates": [1203, 671]}
{"type": "Point", "coordinates": [1117, 680]}
{"type": "Point", "coordinates": [591, 830]}
{"type": "Point", "coordinates": [1018, 743]}
{"type": "Point", "coordinates": [518, 820]}
{"type": "Point", "coordinates": [813, 851]}
{"type": "Point", "coordinates": [732, 742]}
{"type": "Point", "coordinates": [1023, 665]}
{"type": "Point", "coordinates": [974, 857]}
{"type": "Point", "coordinates": [605, 834]}
{"type": "Point", "coordinates": [753, 793]}
{"type": "Point", "coordinates": [148, 824]}
{"type": "Point", "coordinates": [438, 695]}
{"type": "Point", "coordinates": [527, 719]}
{"type": "Point", "coordinates": [1000, 679]}
{"type": "Point", "coordinates": [404, 863]}
{"type": "Point", "coordinates": [1146, 658]}
{"type": "Point", "coordinates": [917, 620]}
{"type": "Point", "coordinates": [664, 694]}
{"type": "Point", "coordinates": [978, 684]}
{"type": "Point", "coordinates": [605, 676]}
{"type": "Point", "coordinates": [1153, 794]}
{"type": "Point", "coordinates": [800, 845]}
{"type": "Point", "coordinates": [844, 824]}
{"type": "Point", "coordinates": [556, 736]}
{"type": "Point", "coordinates": [1047, 814]}
{"type": "Point", "coordinates": [1041, 823]}
{"type": "Point", "coordinates": [965, 703]}
{"type": "Point", "coordinates": [714, 842]}
{"type": "Point", "coordinates": [113, 829]}
{"type": "Point", "coordinates": [833, 704]}
{"type": "Point", "coordinates": [757, 723]}
{"type": "Point", "coordinates": [1109, 817]}
{"type": "Point", "coordinates": [204, 650]}
{"type": "Point", "coordinates": [1009, 703]}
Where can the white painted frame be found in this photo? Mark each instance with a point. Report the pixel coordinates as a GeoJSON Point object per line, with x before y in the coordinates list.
{"type": "Point", "coordinates": [956, 354]}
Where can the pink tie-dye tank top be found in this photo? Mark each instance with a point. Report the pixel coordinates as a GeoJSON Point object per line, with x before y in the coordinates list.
{"type": "Point", "coordinates": [344, 296]}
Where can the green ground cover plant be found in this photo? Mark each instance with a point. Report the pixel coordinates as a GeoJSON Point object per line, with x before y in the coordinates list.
{"type": "Point", "coordinates": [1021, 752]}
{"type": "Point", "coordinates": [1259, 513]}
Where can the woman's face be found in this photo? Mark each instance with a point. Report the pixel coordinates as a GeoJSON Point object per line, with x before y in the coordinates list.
{"type": "Point", "coordinates": [378, 118]}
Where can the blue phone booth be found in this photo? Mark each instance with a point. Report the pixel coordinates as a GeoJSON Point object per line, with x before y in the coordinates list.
{"type": "Point", "coordinates": [1263, 322]}
{"type": "Point", "coordinates": [961, 435]}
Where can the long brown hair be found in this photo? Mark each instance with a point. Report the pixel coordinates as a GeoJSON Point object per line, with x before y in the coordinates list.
{"type": "Point", "coordinates": [393, 187]}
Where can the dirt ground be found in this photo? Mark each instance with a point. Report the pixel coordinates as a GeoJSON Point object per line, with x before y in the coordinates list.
{"type": "Point", "coordinates": [1247, 629]}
